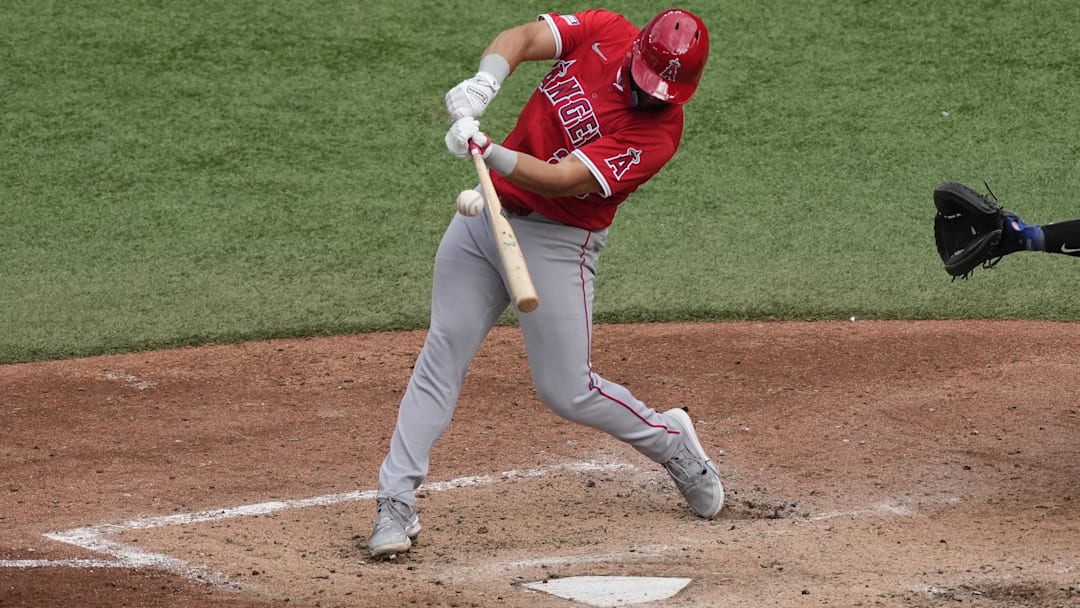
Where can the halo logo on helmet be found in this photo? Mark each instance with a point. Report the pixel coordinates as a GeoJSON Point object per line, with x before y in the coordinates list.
{"type": "Point", "coordinates": [671, 72]}
{"type": "Point", "coordinates": [668, 56]}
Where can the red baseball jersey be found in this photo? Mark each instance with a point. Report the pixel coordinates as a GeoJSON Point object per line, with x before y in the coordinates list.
{"type": "Point", "coordinates": [581, 107]}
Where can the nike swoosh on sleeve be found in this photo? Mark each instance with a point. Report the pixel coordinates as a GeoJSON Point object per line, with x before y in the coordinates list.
{"type": "Point", "coordinates": [596, 48]}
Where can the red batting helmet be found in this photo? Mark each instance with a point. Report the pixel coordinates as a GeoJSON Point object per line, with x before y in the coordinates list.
{"type": "Point", "coordinates": [669, 54]}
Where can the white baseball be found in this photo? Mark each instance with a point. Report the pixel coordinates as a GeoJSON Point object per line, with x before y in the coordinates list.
{"type": "Point", "coordinates": [470, 203]}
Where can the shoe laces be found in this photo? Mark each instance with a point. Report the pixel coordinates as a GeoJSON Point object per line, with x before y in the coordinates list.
{"type": "Point", "coordinates": [392, 513]}
{"type": "Point", "coordinates": [685, 465]}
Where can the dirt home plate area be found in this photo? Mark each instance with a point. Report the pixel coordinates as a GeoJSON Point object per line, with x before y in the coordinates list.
{"type": "Point", "coordinates": [867, 463]}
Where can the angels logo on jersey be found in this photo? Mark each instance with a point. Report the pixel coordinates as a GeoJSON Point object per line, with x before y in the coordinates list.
{"type": "Point", "coordinates": [619, 164]}
{"type": "Point", "coordinates": [671, 72]}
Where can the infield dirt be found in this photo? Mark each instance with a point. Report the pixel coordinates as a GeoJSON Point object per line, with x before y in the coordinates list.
{"type": "Point", "coordinates": [867, 463]}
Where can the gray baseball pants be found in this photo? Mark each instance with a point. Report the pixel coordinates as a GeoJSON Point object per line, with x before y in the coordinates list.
{"type": "Point", "coordinates": [469, 294]}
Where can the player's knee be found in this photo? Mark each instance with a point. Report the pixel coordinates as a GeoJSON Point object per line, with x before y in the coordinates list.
{"type": "Point", "coordinates": [565, 400]}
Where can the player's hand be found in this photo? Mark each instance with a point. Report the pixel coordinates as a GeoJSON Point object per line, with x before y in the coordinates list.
{"type": "Point", "coordinates": [462, 133]}
{"type": "Point", "coordinates": [471, 97]}
{"type": "Point", "coordinates": [480, 141]}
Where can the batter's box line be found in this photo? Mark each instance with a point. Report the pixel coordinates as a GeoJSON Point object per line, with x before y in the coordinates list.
{"type": "Point", "coordinates": [94, 538]}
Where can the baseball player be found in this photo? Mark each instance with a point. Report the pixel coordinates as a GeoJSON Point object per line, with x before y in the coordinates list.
{"type": "Point", "coordinates": [603, 121]}
{"type": "Point", "coordinates": [972, 231]}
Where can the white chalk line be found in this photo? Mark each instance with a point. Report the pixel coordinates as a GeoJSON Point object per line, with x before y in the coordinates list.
{"type": "Point", "coordinates": [879, 510]}
{"type": "Point", "coordinates": [893, 508]}
{"type": "Point", "coordinates": [131, 380]}
{"type": "Point", "coordinates": [93, 538]}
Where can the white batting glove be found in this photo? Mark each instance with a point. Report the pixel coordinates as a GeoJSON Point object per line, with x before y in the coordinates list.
{"type": "Point", "coordinates": [471, 97]}
{"type": "Point", "coordinates": [465, 134]}
{"type": "Point", "coordinates": [461, 133]}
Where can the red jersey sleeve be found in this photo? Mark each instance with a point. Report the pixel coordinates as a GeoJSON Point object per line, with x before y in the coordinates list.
{"type": "Point", "coordinates": [572, 31]}
{"type": "Point", "coordinates": [625, 160]}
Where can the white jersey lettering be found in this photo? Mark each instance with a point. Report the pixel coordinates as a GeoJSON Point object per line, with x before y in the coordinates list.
{"type": "Point", "coordinates": [572, 106]}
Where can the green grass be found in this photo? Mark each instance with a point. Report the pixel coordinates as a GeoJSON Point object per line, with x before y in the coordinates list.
{"type": "Point", "coordinates": [182, 173]}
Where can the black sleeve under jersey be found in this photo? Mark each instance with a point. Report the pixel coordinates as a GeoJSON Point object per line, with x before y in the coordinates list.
{"type": "Point", "coordinates": [1063, 237]}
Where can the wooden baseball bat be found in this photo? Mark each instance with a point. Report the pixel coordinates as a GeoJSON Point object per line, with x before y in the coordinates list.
{"type": "Point", "coordinates": [522, 289]}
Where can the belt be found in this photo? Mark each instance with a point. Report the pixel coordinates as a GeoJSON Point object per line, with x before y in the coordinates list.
{"type": "Point", "coordinates": [514, 208]}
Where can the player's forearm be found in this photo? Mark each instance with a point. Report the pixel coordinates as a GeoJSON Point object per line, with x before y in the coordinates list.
{"type": "Point", "coordinates": [568, 178]}
{"type": "Point", "coordinates": [1062, 237]}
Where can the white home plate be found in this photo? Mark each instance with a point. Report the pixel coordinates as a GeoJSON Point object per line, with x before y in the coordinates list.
{"type": "Point", "coordinates": [606, 591]}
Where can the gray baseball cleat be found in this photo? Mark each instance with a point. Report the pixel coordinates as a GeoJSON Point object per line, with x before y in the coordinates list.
{"type": "Point", "coordinates": [396, 527]}
{"type": "Point", "coordinates": [690, 468]}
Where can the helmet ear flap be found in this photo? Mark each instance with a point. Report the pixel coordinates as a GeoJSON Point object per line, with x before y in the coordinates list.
{"type": "Point", "coordinates": [629, 93]}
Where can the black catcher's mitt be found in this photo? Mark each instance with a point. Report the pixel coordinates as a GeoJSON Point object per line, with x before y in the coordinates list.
{"type": "Point", "coordinates": [969, 229]}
